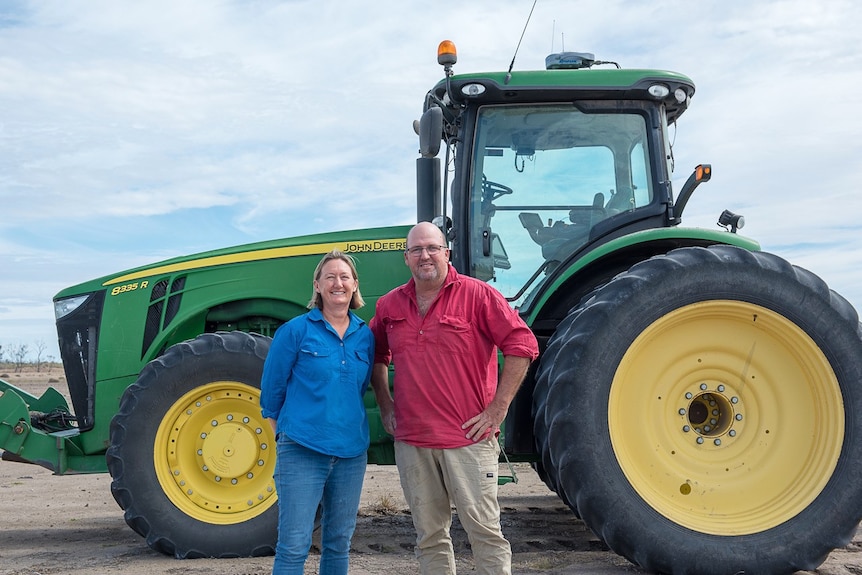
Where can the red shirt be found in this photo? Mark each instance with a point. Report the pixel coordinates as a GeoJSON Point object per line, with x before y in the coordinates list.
{"type": "Point", "coordinates": [446, 361]}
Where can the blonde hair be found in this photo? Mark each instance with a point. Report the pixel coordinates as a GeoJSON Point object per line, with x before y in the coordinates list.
{"type": "Point", "coordinates": [356, 301]}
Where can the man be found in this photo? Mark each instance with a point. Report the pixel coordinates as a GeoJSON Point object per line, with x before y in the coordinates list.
{"type": "Point", "coordinates": [442, 331]}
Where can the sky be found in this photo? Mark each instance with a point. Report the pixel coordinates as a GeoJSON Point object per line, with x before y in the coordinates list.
{"type": "Point", "coordinates": [135, 131]}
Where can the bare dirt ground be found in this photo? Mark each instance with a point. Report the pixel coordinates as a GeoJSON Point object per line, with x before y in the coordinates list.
{"type": "Point", "coordinates": [72, 525]}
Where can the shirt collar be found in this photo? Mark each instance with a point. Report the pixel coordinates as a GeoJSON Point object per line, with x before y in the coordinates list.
{"type": "Point", "coordinates": [314, 314]}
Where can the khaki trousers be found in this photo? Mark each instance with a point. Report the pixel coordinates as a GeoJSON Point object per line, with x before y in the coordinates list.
{"type": "Point", "coordinates": [435, 479]}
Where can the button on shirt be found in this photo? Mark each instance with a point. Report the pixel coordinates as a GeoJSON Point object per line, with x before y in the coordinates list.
{"type": "Point", "coordinates": [446, 361]}
{"type": "Point", "coordinates": [314, 381]}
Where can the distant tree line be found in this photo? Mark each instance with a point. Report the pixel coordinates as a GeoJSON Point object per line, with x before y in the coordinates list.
{"type": "Point", "coordinates": [21, 355]}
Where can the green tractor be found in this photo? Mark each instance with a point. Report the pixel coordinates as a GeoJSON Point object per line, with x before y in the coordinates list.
{"type": "Point", "coordinates": [695, 399]}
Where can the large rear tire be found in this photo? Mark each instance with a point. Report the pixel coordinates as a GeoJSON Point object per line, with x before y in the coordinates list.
{"type": "Point", "coordinates": [190, 454]}
{"type": "Point", "coordinates": [700, 413]}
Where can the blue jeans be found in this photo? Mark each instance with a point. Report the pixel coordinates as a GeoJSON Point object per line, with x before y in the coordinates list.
{"type": "Point", "coordinates": [304, 480]}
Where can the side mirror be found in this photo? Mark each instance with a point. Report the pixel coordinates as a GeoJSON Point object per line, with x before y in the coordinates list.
{"type": "Point", "coordinates": [445, 225]}
{"type": "Point", "coordinates": [430, 132]}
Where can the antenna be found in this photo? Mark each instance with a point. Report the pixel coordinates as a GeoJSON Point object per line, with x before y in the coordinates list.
{"type": "Point", "coordinates": [512, 65]}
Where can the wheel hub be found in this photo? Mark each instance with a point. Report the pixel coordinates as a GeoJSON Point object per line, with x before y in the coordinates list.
{"type": "Point", "coordinates": [229, 450]}
{"type": "Point", "coordinates": [713, 415]}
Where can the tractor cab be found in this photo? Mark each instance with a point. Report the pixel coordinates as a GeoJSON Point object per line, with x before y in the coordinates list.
{"type": "Point", "coordinates": [548, 163]}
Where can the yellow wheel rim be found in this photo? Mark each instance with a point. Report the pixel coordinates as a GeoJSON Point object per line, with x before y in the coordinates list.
{"type": "Point", "coordinates": [726, 418]}
{"type": "Point", "coordinates": [215, 454]}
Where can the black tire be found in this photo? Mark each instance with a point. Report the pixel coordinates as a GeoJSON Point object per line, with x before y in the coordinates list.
{"type": "Point", "coordinates": [190, 454]}
{"type": "Point", "coordinates": [699, 413]}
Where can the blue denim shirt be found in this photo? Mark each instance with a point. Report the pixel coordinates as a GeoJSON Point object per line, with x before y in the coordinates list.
{"type": "Point", "coordinates": [314, 381]}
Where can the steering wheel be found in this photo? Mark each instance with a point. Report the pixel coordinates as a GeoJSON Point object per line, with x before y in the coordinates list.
{"type": "Point", "coordinates": [492, 190]}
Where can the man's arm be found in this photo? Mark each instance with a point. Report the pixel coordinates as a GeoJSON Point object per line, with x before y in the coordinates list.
{"type": "Point", "coordinates": [514, 371]}
{"type": "Point", "coordinates": [380, 385]}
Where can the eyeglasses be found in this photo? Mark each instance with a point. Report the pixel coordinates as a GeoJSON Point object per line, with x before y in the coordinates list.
{"type": "Point", "coordinates": [417, 251]}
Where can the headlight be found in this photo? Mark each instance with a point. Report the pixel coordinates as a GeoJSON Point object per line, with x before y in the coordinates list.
{"type": "Point", "coordinates": [63, 307]}
{"type": "Point", "coordinates": [658, 91]}
{"type": "Point", "coordinates": [473, 90]}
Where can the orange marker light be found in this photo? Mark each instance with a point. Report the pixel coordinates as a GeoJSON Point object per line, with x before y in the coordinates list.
{"type": "Point", "coordinates": [447, 55]}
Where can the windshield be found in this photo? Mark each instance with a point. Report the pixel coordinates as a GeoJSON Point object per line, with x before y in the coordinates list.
{"type": "Point", "coordinates": [543, 177]}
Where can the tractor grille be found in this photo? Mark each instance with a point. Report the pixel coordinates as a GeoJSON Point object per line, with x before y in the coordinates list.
{"type": "Point", "coordinates": [78, 335]}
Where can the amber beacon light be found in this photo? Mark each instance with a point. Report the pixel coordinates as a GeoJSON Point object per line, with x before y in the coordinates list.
{"type": "Point", "coordinates": [447, 55]}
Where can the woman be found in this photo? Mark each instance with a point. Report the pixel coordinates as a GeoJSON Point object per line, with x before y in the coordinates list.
{"type": "Point", "coordinates": [314, 379]}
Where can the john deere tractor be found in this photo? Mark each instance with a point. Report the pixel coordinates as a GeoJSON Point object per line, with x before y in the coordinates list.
{"type": "Point", "coordinates": [695, 402]}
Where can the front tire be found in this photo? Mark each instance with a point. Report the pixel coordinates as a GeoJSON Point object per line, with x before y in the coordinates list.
{"type": "Point", "coordinates": [190, 454]}
{"type": "Point", "coordinates": [699, 412]}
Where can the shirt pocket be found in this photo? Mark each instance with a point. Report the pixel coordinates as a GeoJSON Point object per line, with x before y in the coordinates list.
{"type": "Point", "coordinates": [314, 361]}
{"type": "Point", "coordinates": [362, 369]}
{"type": "Point", "coordinates": [363, 359]}
{"type": "Point", "coordinates": [455, 335]}
{"type": "Point", "coordinates": [310, 351]}
{"type": "Point", "coordinates": [399, 334]}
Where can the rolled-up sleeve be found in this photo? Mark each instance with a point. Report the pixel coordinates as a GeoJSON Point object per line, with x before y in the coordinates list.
{"type": "Point", "coordinates": [382, 353]}
{"type": "Point", "coordinates": [508, 331]}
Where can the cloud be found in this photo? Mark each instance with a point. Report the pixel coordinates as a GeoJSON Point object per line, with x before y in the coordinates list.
{"type": "Point", "coordinates": [131, 131]}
